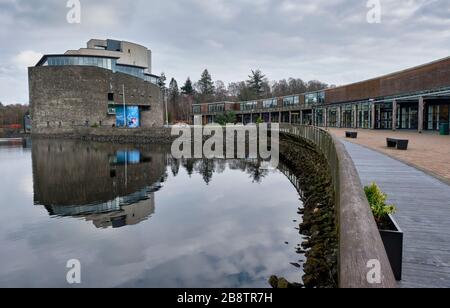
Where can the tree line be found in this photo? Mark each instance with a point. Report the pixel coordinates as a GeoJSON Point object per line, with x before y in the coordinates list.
{"type": "Point", "coordinates": [206, 90]}
{"type": "Point", "coordinates": [12, 114]}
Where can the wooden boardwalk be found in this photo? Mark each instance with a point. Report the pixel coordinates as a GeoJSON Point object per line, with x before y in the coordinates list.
{"type": "Point", "coordinates": [423, 205]}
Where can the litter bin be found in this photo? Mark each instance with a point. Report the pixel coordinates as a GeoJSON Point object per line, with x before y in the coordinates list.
{"type": "Point", "coordinates": [444, 129]}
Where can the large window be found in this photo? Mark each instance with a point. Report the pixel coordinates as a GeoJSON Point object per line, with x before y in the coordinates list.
{"type": "Point", "coordinates": [197, 109]}
{"type": "Point", "coordinates": [311, 98]}
{"type": "Point", "coordinates": [106, 63]}
{"type": "Point", "coordinates": [215, 108]}
{"type": "Point", "coordinates": [315, 98]}
{"type": "Point", "coordinates": [332, 117]}
{"type": "Point", "coordinates": [151, 78]}
{"type": "Point", "coordinates": [347, 116]}
{"type": "Point", "coordinates": [130, 70]}
{"type": "Point", "coordinates": [364, 115]}
{"type": "Point", "coordinates": [249, 106]}
{"type": "Point", "coordinates": [291, 101]}
{"type": "Point", "coordinates": [321, 97]}
{"type": "Point", "coordinates": [270, 103]}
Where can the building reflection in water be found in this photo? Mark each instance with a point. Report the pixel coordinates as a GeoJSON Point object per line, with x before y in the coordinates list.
{"type": "Point", "coordinates": [110, 185]}
{"type": "Point", "coordinates": [113, 185]}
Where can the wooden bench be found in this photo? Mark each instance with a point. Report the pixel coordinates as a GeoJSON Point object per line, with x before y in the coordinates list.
{"type": "Point", "coordinates": [352, 135]}
{"type": "Point", "coordinates": [400, 144]}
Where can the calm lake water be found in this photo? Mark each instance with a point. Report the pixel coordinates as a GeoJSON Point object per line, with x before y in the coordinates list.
{"type": "Point", "coordinates": [134, 217]}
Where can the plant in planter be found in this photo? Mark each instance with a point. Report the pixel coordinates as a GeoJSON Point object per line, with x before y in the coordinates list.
{"type": "Point", "coordinates": [390, 232]}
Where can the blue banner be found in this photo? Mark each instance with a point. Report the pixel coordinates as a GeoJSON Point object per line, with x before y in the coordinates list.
{"type": "Point", "coordinates": [131, 115]}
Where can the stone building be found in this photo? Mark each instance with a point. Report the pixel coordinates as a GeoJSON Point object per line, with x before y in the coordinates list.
{"type": "Point", "coordinates": [107, 84]}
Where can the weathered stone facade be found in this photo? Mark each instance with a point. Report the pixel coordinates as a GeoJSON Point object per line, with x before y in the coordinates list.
{"type": "Point", "coordinates": [70, 97]}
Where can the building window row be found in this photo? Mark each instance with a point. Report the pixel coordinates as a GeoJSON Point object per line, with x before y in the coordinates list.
{"type": "Point", "coordinates": [214, 108]}
{"type": "Point", "coordinates": [249, 106]}
{"type": "Point", "coordinates": [270, 103]}
{"type": "Point", "coordinates": [291, 101]}
{"type": "Point", "coordinates": [315, 98]}
{"type": "Point", "coordinates": [129, 70]}
{"type": "Point", "coordinates": [106, 63]}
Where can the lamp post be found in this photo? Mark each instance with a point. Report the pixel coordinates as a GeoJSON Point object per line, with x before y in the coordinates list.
{"type": "Point", "coordinates": [124, 108]}
{"type": "Point", "coordinates": [167, 111]}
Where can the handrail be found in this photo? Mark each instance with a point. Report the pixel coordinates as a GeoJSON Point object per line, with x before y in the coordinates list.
{"type": "Point", "coordinates": [360, 246]}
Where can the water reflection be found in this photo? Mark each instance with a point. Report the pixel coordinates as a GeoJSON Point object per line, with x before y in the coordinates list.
{"type": "Point", "coordinates": [110, 185]}
{"type": "Point", "coordinates": [113, 185]}
{"type": "Point", "coordinates": [136, 217]}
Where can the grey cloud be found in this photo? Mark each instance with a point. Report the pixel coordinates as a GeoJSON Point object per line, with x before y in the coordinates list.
{"type": "Point", "coordinates": [312, 39]}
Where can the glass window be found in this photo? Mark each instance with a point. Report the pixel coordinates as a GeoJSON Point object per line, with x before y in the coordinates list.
{"type": "Point", "coordinates": [291, 101]}
{"type": "Point", "coordinates": [311, 98]}
{"type": "Point", "coordinates": [249, 106]}
{"type": "Point", "coordinates": [111, 109]}
{"type": "Point", "coordinates": [270, 103]}
{"type": "Point", "coordinates": [321, 97]}
{"type": "Point", "coordinates": [213, 108]}
{"type": "Point", "coordinates": [196, 109]}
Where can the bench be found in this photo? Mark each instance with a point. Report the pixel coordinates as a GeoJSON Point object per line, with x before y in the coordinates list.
{"type": "Point", "coordinates": [400, 144]}
{"type": "Point", "coordinates": [353, 135]}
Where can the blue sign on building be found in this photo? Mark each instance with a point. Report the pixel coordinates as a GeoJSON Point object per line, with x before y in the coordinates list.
{"type": "Point", "coordinates": [130, 118]}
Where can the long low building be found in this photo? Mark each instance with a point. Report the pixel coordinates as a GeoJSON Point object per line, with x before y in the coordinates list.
{"type": "Point", "coordinates": [107, 84]}
{"type": "Point", "coordinates": [417, 98]}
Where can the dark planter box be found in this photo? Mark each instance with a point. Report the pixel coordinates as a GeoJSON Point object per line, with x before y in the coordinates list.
{"type": "Point", "coordinates": [393, 243]}
{"type": "Point", "coordinates": [353, 135]}
{"type": "Point", "coordinates": [402, 145]}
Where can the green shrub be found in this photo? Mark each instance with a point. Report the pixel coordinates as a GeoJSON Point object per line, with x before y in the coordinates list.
{"type": "Point", "coordinates": [259, 120]}
{"type": "Point", "coordinates": [377, 201]}
{"type": "Point", "coordinates": [226, 118]}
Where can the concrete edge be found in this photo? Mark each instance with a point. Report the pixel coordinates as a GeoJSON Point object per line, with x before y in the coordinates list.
{"type": "Point", "coordinates": [360, 240]}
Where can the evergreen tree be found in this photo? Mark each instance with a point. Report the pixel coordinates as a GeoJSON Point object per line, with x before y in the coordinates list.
{"type": "Point", "coordinates": [174, 92]}
{"type": "Point", "coordinates": [256, 83]}
{"type": "Point", "coordinates": [187, 89]}
{"type": "Point", "coordinates": [205, 84]}
{"type": "Point", "coordinates": [162, 81]}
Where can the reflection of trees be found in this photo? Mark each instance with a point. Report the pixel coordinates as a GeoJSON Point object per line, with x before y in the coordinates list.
{"type": "Point", "coordinates": [207, 167]}
{"type": "Point", "coordinates": [221, 166]}
{"type": "Point", "coordinates": [255, 171]}
{"type": "Point", "coordinates": [188, 164]}
{"type": "Point", "coordinates": [175, 166]}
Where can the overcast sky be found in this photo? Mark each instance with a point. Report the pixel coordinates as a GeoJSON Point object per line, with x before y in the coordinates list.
{"type": "Point", "coordinates": [327, 40]}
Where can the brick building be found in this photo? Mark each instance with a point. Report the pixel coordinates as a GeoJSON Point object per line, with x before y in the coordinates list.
{"type": "Point", "coordinates": [417, 98]}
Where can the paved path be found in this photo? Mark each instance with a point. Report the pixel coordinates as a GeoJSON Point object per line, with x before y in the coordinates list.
{"type": "Point", "coordinates": [427, 151]}
{"type": "Point", "coordinates": [423, 212]}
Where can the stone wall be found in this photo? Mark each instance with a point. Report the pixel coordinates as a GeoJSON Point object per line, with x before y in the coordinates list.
{"type": "Point", "coordinates": [67, 97]}
{"type": "Point", "coordinates": [105, 134]}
